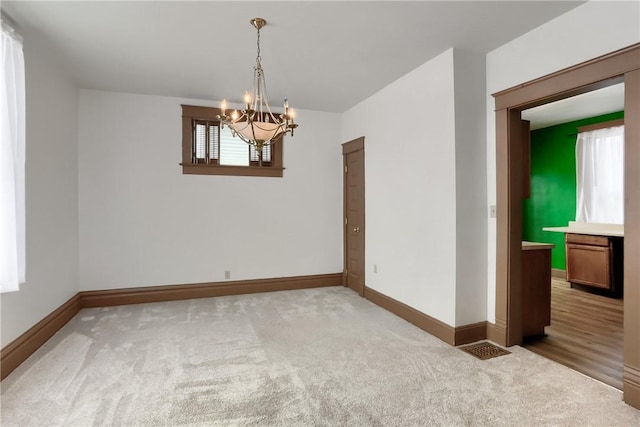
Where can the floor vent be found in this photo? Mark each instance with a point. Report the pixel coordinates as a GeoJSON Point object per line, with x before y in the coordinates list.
{"type": "Point", "coordinates": [484, 350]}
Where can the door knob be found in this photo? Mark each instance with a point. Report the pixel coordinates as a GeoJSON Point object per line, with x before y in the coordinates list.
{"type": "Point", "coordinates": [356, 230]}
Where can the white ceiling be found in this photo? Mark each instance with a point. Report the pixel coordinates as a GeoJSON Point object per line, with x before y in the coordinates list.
{"type": "Point", "coordinates": [602, 101]}
{"type": "Point", "coordinates": [325, 56]}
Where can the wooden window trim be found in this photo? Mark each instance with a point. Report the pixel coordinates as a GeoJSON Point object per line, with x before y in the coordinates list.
{"type": "Point", "coordinates": [602, 125]}
{"type": "Point", "coordinates": [193, 112]}
{"type": "Point", "coordinates": [211, 169]}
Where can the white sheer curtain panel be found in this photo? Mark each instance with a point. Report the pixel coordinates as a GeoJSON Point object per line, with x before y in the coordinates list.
{"type": "Point", "coordinates": [12, 162]}
{"type": "Point", "coordinates": [600, 176]}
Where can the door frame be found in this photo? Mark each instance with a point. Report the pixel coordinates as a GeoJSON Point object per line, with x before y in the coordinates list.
{"type": "Point", "coordinates": [616, 67]}
{"type": "Point", "coordinates": [347, 148]}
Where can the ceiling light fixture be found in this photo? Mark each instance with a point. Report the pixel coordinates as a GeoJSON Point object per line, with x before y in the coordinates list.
{"type": "Point", "coordinates": [257, 125]}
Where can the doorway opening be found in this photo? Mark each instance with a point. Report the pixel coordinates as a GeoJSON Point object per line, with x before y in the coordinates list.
{"type": "Point", "coordinates": [617, 67]}
{"type": "Point", "coordinates": [583, 330]}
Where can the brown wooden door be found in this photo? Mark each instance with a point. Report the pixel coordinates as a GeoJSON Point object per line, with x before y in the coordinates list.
{"type": "Point", "coordinates": [354, 230]}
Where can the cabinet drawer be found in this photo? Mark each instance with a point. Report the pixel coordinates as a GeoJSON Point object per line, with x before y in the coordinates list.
{"type": "Point", "coordinates": [589, 265]}
{"type": "Point", "coordinates": [586, 239]}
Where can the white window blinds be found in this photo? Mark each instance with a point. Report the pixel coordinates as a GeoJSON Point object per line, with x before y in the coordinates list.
{"type": "Point", "coordinates": [233, 151]}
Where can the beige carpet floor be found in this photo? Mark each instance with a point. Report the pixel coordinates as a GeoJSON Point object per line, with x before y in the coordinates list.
{"type": "Point", "coordinates": [321, 357]}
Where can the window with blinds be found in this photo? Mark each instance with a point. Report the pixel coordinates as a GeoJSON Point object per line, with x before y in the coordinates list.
{"type": "Point", "coordinates": [205, 147]}
{"type": "Point", "coordinates": [254, 158]}
{"type": "Point", "coordinates": [212, 150]}
{"type": "Point", "coordinates": [212, 144]}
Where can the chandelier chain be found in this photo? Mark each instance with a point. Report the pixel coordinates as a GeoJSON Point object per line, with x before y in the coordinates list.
{"type": "Point", "coordinates": [258, 58]}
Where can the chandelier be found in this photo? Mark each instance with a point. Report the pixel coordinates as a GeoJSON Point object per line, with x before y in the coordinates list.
{"type": "Point", "coordinates": [256, 124]}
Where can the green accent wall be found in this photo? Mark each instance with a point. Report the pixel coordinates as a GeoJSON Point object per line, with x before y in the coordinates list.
{"type": "Point", "coordinates": [553, 183]}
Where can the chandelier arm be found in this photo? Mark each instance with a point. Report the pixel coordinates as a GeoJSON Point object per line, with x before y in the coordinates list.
{"type": "Point", "coordinates": [266, 99]}
{"type": "Point", "coordinates": [256, 86]}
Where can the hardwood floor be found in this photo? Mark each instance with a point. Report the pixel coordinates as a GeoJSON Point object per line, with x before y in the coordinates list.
{"type": "Point", "coordinates": [586, 333]}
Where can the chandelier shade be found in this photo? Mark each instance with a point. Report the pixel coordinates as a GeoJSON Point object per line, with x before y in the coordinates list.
{"type": "Point", "coordinates": [256, 124]}
{"type": "Point", "coordinates": [258, 131]}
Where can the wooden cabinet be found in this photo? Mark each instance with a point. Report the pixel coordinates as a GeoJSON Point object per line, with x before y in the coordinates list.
{"type": "Point", "coordinates": [594, 261]}
{"type": "Point", "coordinates": [588, 260]}
{"type": "Point", "coordinates": [536, 288]}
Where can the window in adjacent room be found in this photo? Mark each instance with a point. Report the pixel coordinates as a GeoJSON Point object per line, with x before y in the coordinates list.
{"type": "Point", "coordinates": [600, 174]}
{"type": "Point", "coordinates": [209, 149]}
{"type": "Point", "coordinates": [12, 162]}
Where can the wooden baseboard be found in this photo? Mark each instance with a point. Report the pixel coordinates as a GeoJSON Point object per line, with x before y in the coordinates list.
{"type": "Point", "coordinates": [19, 350]}
{"type": "Point", "coordinates": [126, 296]}
{"type": "Point", "coordinates": [16, 352]}
{"type": "Point", "coordinates": [631, 386]}
{"type": "Point", "coordinates": [470, 333]}
{"type": "Point", "coordinates": [453, 336]}
{"type": "Point", "coordinates": [560, 274]}
{"type": "Point", "coordinates": [493, 333]}
{"type": "Point", "coordinates": [423, 321]}
{"type": "Point", "coordinates": [497, 332]}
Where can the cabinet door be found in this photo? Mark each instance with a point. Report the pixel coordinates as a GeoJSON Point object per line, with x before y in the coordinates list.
{"type": "Point", "coordinates": [536, 291]}
{"type": "Point", "coordinates": [589, 265]}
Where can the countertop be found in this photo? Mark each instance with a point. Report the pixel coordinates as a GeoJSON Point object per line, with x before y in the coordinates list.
{"type": "Point", "coordinates": [532, 246]}
{"type": "Point", "coordinates": [595, 229]}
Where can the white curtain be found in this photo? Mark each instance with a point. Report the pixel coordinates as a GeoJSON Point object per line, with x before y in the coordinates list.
{"type": "Point", "coordinates": [600, 176]}
{"type": "Point", "coordinates": [12, 162]}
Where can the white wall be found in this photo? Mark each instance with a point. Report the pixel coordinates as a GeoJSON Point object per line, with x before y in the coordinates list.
{"type": "Point", "coordinates": [410, 198]}
{"type": "Point", "coordinates": [471, 190]}
{"type": "Point", "coordinates": [588, 31]}
{"type": "Point", "coordinates": [51, 193]}
{"type": "Point", "coordinates": [143, 223]}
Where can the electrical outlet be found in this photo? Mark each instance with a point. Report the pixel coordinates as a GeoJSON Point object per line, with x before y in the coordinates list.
{"type": "Point", "coordinates": [375, 268]}
{"type": "Point", "coordinates": [492, 211]}
{"type": "Point", "coordinates": [227, 274]}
